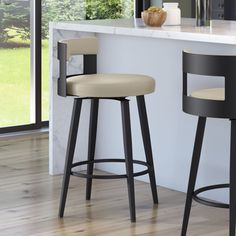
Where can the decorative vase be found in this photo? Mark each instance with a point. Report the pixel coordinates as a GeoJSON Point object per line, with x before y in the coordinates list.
{"type": "Point", "coordinates": [203, 12]}
{"type": "Point", "coordinates": [173, 13]}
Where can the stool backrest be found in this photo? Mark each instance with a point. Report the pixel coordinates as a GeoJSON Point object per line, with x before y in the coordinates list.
{"type": "Point", "coordinates": [86, 46]}
{"type": "Point", "coordinates": [211, 65]}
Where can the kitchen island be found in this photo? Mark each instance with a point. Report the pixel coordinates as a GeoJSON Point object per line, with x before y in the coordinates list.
{"type": "Point", "coordinates": [128, 46]}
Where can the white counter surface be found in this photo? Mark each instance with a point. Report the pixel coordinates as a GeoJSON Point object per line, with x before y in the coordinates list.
{"type": "Point", "coordinates": [223, 32]}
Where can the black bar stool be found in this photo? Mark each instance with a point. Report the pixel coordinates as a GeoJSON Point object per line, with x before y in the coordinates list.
{"type": "Point", "coordinates": [217, 103]}
{"type": "Point", "coordinates": [91, 85]}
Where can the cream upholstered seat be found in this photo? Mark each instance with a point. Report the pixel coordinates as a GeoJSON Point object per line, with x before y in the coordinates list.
{"type": "Point", "coordinates": [210, 94]}
{"type": "Point", "coordinates": [110, 85]}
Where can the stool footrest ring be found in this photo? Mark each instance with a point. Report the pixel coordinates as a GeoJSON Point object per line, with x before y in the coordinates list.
{"type": "Point", "coordinates": [210, 202]}
{"type": "Point", "coordinates": [83, 175]}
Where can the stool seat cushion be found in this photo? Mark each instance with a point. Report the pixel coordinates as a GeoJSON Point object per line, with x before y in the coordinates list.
{"type": "Point", "coordinates": [110, 85]}
{"type": "Point", "coordinates": [210, 94]}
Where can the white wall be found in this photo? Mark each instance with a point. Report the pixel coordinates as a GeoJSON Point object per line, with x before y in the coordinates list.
{"type": "Point", "coordinates": [172, 131]}
{"type": "Point", "coordinates": [156, 2]}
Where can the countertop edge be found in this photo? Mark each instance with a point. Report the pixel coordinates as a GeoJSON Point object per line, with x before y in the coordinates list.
{"type": "Point", "coordinates": [145, 32]}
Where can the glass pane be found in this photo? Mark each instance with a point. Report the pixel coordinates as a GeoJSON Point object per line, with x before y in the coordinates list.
{"type": "Point", "coordinates": [59, 10]}
{"type": "Point", "coordinates": [45, 80]}
{"type": "Point", "coordinates": [55, 10]}
{"type": "Point", "coordinates": [14, 62]}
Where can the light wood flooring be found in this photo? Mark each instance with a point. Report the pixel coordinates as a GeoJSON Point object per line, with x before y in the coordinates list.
{"type": "Point", "coordinates": [29, 200]}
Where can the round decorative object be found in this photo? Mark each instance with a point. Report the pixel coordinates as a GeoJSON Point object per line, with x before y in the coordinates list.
{"type": "Point", "coordinates": [154, 18]}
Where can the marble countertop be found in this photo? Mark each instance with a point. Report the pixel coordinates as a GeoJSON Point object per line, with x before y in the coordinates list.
{"type": "Point", "coordinates": [222, 32]}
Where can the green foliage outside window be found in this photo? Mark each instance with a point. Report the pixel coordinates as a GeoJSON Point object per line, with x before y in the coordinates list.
{"type": "Point", "coordinates": [15, 15]}
{"type": "Point", "coordinates": [112, 9]}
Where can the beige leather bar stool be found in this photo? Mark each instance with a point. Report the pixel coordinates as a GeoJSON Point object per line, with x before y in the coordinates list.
{"type": "Point", "coordinates": [93, 86]}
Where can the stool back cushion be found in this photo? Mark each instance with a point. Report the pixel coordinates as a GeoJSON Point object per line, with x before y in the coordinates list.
{"type": "Point", "coordinates": [81, 46]}
{"type": "Point", "coordinates": [86, 46]}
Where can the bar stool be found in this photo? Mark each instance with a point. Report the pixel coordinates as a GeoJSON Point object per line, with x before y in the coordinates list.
{"type": "Point", "coordinates": [216, 103]}
{"type": "Point", "coordinates": [93, 86]}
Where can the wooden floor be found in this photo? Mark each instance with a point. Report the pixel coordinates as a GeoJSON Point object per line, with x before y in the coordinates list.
{"type": "Point", "coordinates": [29, 201]}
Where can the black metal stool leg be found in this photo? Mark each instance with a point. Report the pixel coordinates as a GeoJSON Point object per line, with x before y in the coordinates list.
{"type": "Point", "coordinates": [128, 156]}
{"type": "Point", "coordinates": [91, 143]}
{"type": "Point", "coordinates": [70, 152]}
{"type": "Point", "coordinates": [147, 144]}
{"type": "Point", "coordinates": [193, 171]}
{"type": "Point", "coordinates": [232, 205]}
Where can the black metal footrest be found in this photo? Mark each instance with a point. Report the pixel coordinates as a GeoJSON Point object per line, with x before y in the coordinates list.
{"type": "Point", "coordinates": [83, 175]}
{"type": "Point", "coordinates": [209, 202]}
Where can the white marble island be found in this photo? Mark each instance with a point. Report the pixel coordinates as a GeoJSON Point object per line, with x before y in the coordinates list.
{"type": "Point", "coordinates": [127, 46]}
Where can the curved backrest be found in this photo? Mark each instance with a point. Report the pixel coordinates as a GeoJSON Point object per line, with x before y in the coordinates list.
{"type": "Point", "coordinates": [81, 46]}
{"type": "Point", "coordinates": [86, 46]}
{"type": "Point", "coordinates": [210, 65]}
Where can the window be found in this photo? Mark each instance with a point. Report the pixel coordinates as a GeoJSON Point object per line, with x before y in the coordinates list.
{"type": "Point", "coordinates": [24, 62]}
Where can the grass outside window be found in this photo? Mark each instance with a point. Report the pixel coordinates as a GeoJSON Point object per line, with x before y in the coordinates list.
{"type": "Point", "coordinates": [15, 83]}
